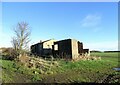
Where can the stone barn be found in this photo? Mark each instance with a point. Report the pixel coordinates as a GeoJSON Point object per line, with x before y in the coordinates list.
{"type": "Point", "coordinates": [43, 48]}
{"type": "Point", "coordinates": [68, 48]}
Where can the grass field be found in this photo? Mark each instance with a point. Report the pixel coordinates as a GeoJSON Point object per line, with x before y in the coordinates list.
{"type": "Point", "coordinates": [99, 71]}
{"type": "Point", "coordinates": [102, 54]}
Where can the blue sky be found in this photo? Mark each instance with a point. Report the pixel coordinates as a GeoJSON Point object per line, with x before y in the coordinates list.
{"type": "Point", "coordinates": [95, 24]}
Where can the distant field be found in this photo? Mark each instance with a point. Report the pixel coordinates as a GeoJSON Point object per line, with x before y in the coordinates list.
{"type": "Point", "coordinates": [113, 56]}
{"type": "Point", "coordinates": [109, 54]}
{"type": "Point", "coordinates": [67, 72]}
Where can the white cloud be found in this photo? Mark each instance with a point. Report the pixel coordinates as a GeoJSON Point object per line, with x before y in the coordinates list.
{"type": "Point", "coordinates": [102, 46]}
{"type": "Point", "coordinates": [91, 20]}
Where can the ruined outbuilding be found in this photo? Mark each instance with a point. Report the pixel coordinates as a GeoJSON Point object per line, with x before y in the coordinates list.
{"type": "Point", "coordinates": [43, 48]}
{"type": "Point", "coordinates": [68, 48]}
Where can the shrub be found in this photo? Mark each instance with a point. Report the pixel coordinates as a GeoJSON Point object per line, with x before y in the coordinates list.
{"type": "Point", "coordinates": [9, 54]}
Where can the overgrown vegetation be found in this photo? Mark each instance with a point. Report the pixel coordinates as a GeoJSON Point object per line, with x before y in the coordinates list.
{"type": "Point", "coordinates": [8, 54]}
{"type": "Point", "coordinates": [11, 70]}
{"type": "Point", "coordinates": [61, 71]}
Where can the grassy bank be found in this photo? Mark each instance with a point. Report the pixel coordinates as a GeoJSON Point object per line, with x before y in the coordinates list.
{"type": "Point", "coordinates": [67, 71]}
{"type": "Point", "coordinates": [86, 71]}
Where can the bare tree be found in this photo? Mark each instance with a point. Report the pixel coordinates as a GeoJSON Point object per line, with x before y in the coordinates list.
{"type": "Point", "coordinates": [22, 37]}
{"type": "Point", "coordinates": [15, 43]}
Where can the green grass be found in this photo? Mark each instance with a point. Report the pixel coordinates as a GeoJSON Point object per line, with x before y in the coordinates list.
{"type": "Point", "coordinates": [67, 71]}
{"type": "Point", "coordinates": [110, 55]}
{"type": "Point", "coordinates": [108, 60]}
{"type": "Point", "coordinates": [12, 69]}
{"type": "Point", "coordinates": [87, 71]}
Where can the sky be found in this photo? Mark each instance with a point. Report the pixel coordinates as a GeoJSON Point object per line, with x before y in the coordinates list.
{"type": "Point", "coordinates": [93, 23]}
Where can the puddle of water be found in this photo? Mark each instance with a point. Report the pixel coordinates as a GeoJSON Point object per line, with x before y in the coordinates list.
{"type": "Point", "coordinates": [117, 69]}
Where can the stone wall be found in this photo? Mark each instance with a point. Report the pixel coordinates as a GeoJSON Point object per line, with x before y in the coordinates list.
{"type": "Point", "coordinates": [64, 48]}
{"type": "Point", "coordinates": [43, 48]}
{"type": "Point", "coordinates": [37, 49]}
{"type": "Point", "coordinates": [48, 44]}
{"type": "Point", "coordinates": [80, 48]}
{"type": "Point", "coordinates": [74, 45]}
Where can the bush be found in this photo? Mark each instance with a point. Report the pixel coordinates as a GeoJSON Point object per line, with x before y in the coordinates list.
{"type": "Point", "coordinates": [9, 54]}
